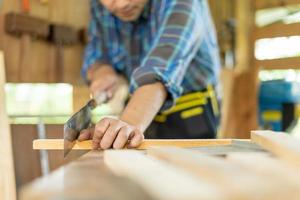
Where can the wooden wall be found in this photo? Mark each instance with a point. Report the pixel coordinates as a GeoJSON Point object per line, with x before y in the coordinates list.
{"type": "Point", "coordinates": [39, 63]}
{"type": "Point", "coordinates": [27, 161]}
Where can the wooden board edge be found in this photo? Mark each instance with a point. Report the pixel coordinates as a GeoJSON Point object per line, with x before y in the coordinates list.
{"type": "Point", "coordinates": [58, 144]}
{"type": "Point", "coordinates": [282, 145]}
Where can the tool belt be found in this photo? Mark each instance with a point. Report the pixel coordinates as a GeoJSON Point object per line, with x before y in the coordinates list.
{"type": "Point", "coordinates": [191, 104]}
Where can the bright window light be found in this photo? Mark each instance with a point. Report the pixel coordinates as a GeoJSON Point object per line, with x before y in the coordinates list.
{"type": "Point", "coordinates": [280, 47]}
{"type": "Point", "coordinates": [26, 99]}
{"type": "Point", "coordinates": [288, 75]}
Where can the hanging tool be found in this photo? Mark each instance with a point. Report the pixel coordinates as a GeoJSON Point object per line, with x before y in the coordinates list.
{"type": "Point", "coordinates": [26, 27]}
{"type": "Point", "coordinates": [61, 35]}
{"type": "Point", "coordinates": [25, 47]}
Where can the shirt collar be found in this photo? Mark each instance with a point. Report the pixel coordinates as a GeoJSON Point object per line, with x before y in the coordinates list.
{"type": "Point", "coordinates": [146, 12]}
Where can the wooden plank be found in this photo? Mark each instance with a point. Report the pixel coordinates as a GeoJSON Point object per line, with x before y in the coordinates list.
{"type": "Point", "coordinates": [268, 165]}
{"type": "Point", "coordinates": [282, 145]}
{"type": "Point", "coordinates": [271, 168]}
{"type": "Point", "coordinates": [84, 178]}
{"type": "Point", "coordinates": [236, 182]}
{"type": "Point", "coordinates": [58, 143]}
{"type": "Point", "coordinates": [281, 63]}
{"type": "Point", "coordinates": [277, 30]}
{"type": "Point", "coordinates": [162, 180]}
{"type": "Point", "coordinates": [223, 150]}
{"type": "Point", "coordinates": [265, 4]}
{"type": "Point", "coordinates": [7, 176]}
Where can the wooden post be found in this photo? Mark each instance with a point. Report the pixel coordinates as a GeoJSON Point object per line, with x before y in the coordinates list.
{"type": "Point", "coordinates": [7, 177]}
{"type": "Point", "coordinates": [240, 114]}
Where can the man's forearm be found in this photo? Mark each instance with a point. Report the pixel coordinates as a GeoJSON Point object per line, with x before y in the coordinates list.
{"type": "Point", "coordinates": [144, 105]}
{"type": "Point", "coordinates": [138, 114]}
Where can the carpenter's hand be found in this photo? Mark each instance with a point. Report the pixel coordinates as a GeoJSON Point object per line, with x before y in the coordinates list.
{"type": "Point", "coordinates": [115, 133]}
{"type": "Point", "coordinates": [103, 79]}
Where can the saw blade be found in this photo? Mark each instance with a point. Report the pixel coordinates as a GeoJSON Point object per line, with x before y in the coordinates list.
{"type": "Point", "coordinates": [78, 122]}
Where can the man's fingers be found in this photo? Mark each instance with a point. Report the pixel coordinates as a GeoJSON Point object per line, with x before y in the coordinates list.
{"type": "Point", "coordinates": [100, 130]}
{"type": "Point", "coordinates": [97, 86]}
{"type": "Point", "coordinates": [136, 140]}
{"type": "Point", "coordinates": [86, 134]}
{"type": "Point", "coordinates": [110, 135]}
{"type": "Point", "coordinates": [102, 85]}
{"type": "Point", "coordinates": [122, 138]}
{"type": "Point", "coordinates": [110, 132]}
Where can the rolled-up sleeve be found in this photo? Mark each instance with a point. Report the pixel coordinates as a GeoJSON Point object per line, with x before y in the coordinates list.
{"type": "Point", "coordinates": [93, 52]}
{"type": "Point", "coordinates": [174, 46]}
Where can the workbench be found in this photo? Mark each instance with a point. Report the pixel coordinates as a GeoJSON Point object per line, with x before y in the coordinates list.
{"type": "Point", "coordinates": [267, 167]}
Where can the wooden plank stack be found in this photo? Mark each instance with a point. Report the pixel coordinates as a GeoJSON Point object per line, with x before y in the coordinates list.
{"type": "Point", "coordinates": [170, 172]}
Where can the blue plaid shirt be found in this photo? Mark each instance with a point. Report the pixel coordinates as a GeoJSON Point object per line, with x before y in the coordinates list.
{"type": "Point", "coordinates": [173, 41]}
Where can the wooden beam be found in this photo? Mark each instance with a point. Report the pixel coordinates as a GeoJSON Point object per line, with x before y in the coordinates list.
{"type": "Point", "coordinates": [234, 181]}
{"type": "Point", "coordinates": [54, 144]}
{"type": "Point", "coordinates": [239, 113]}
{"type": "Point", "coordinates": [280, 63]}
{"type": "Point", "coordinates": [265, 4]}
{"type": "Point", "coordinates": [282, 145]}
{"type": "Point", "coordinates": [244, 50]}
{"type": "Point", "coordinates": [7, 176]}
{"type": "Point", "coordinates": [160, 179]}
{"type": "Point", "coordinates": [277, 30]}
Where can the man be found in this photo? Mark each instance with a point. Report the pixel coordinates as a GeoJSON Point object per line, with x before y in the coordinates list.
{"type": "Point", "coordinates": [168, 51]}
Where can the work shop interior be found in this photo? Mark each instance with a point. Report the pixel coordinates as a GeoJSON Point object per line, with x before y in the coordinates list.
{"type": "Point", "coordinates": [149, 99]}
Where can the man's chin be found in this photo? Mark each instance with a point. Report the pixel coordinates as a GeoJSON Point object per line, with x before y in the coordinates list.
{"type": "Point", "coordinates": [128, 18]}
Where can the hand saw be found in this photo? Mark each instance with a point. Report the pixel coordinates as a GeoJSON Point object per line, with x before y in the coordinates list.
{"type": "Point", "coordinates": [80, 121]}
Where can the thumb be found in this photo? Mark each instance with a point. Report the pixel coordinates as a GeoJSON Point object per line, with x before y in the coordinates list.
{"type": "Point", "coordinates": [86, 134]}
{"type": "Point", "coordinates": [136, 140]}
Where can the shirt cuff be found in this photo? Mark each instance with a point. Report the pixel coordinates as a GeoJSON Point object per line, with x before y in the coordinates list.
{"type": "Point", "coordinates": [148, 75]}
{"type": "Point", "coordinates": [87, 66]}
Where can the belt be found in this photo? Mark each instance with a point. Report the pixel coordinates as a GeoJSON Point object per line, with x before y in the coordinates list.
{"type": "Point", "coordinates": [187, 103]}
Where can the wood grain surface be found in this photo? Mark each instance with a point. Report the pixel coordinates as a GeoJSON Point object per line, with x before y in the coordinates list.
{"type": "Point", "coordinates": [163, 180]}
{"type": "Point", "coordinates": [84, 178]}
{"type": "Point", "coordinates": [234, 181]}
{"type": "Point", "coordinates": [7, 176]}
{"type": "Point", "coordinates": [282, 145]}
